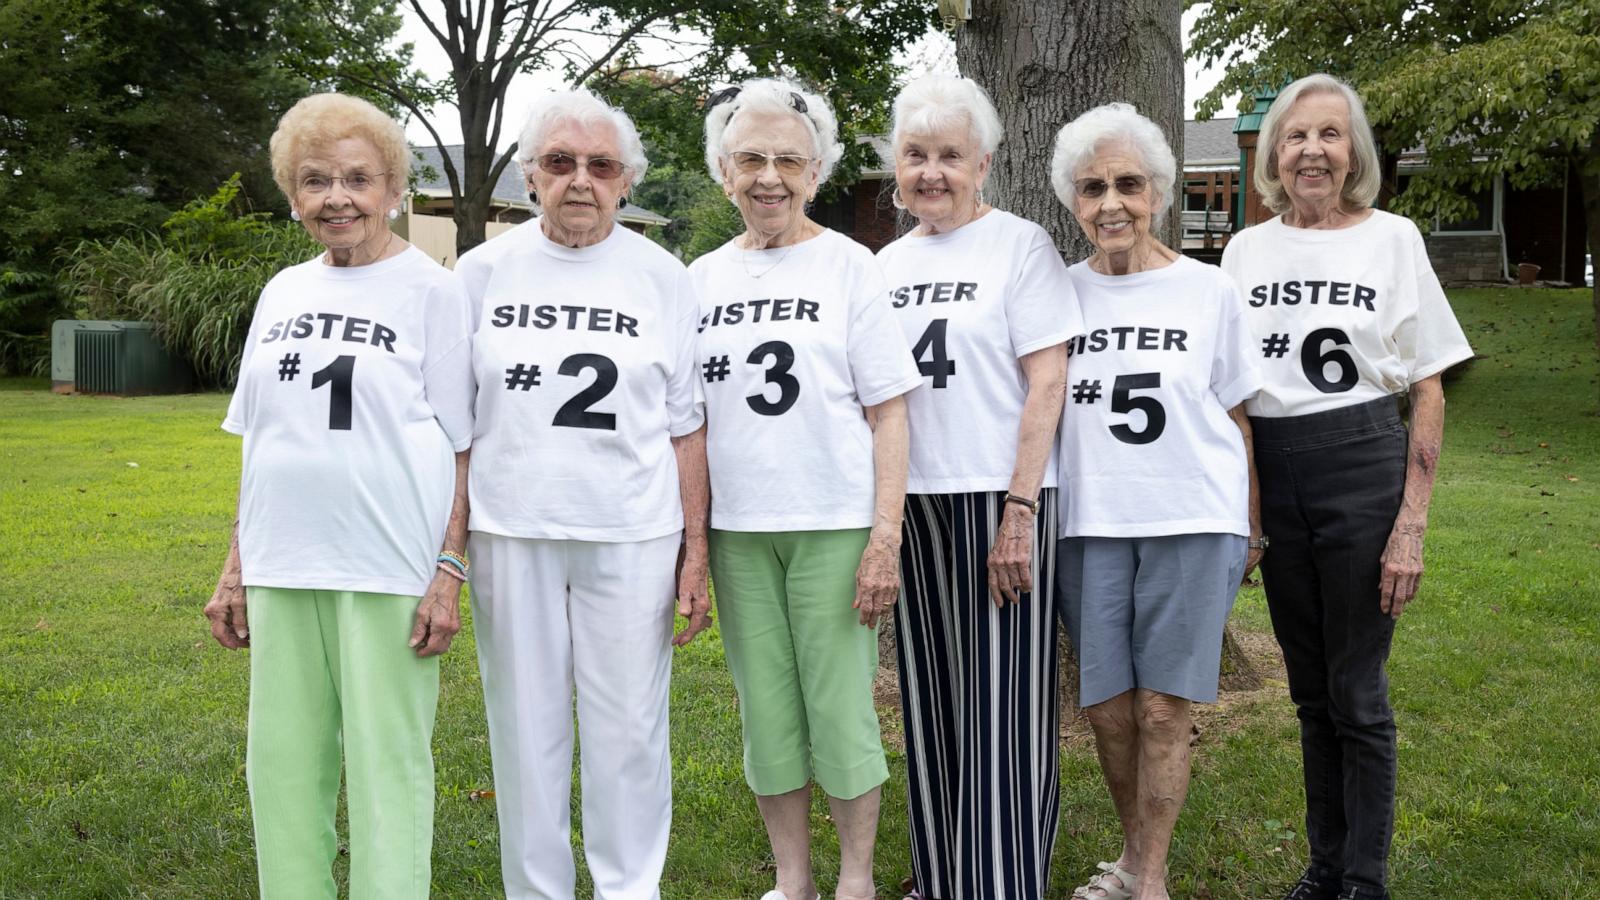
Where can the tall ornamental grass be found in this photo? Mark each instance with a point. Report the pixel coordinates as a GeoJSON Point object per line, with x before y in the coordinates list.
{"type": "Point", "coordinates": [196, 281]}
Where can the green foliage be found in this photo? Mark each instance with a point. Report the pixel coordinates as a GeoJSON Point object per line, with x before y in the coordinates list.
{"type": "Point", "coordinates": [714, 221]}
{"type": "Point", "coordinates": [1496, 87]}
{"type": "Point", "coordinates": [197, 281]}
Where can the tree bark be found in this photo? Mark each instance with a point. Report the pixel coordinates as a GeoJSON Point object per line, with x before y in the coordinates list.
{"type": "Point", "coordinates": [1044, 64]}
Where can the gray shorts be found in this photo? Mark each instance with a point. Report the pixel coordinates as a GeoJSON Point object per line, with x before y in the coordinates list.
{"type": "Point", "coordinates": [1148, 612]}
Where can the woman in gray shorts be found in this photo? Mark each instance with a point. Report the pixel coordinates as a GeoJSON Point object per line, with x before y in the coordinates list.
{"type": "Point", "coordinates": [1158, 514]}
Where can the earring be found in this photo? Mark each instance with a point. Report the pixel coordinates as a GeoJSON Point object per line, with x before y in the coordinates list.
{"type": "Point", "coordinates": [980, 200]}
{"type": "Point", "coordinates": [394, 214]}
{"type": "Point", "coordinates": [533, 196]}
{"type": "Point", "coordinates": [895, 200]}
{"type": "Point", "coordinates": [294, 214]}
{"type": "Point", "coordinates": [622, 202]}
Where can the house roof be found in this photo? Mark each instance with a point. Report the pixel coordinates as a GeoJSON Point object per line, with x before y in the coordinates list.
{"type": "Point", "coordinates": [1211, 142]}
{"type": "Point", "coordinates": [508, 191]}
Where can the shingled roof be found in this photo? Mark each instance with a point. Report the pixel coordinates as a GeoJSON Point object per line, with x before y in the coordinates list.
{"type": "Point", "coordinates": [508, 190]}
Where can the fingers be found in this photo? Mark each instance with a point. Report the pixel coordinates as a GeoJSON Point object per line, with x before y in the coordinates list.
{"type": "Point", "coordinates": [229, 623]}
{"type": "Point", "coordinates": [240, 618]}
{"type": "Point", "coordinates": [419, 627]}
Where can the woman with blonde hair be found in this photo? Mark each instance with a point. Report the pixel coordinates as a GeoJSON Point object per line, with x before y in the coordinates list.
{"type": "Point", "coordinates": [344, 574]}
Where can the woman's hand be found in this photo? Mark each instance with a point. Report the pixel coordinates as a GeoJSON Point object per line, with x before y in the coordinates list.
{"type": "Point", "coordinates": [694, 599]}
{"type": "Point", "coordinates": [1011, 557]}
{"type": "Point", "coordinates": [438, 616]}
{"type": "Point", "coordinates": [1402, 567]}
{"type": "Point", "coordinates": [878, 578]}
{"type": "Point", "coordinates": [229, 623]}
{"type": "Point", "coordinates": [1252, 558]}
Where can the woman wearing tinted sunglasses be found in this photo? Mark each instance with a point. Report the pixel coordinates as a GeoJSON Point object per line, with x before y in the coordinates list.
{"type": "Point", "coordinates": [1158, 513]}
{"type": "Point", "coordinates": [590, 481]}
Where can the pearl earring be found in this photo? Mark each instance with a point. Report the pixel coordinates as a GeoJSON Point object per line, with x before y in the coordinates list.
{"type": "Point", "coordinates": [294, 214]}
{"type": "Point", "coordinates": [394, 214]}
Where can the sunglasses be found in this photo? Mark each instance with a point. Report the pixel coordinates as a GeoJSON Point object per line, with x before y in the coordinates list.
{"type": "Point", "coordinates": [751, 162]}
{"type": "Point", "coordinates": [601, 167]}
{"type": "Point", "coordinates": [1127, 186]}
{"type": "Point", "coordinates": [729, 94]}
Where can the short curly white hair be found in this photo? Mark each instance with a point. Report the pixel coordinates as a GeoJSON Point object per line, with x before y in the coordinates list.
{"type": "Point", "coordinates": [582, 106]}
{"type": "Point", "coordinates": [936, 102]}
{"type": "Point", "coordinates": [1114, 125]}
{"type": "Point", "coordinates": [774, 95]}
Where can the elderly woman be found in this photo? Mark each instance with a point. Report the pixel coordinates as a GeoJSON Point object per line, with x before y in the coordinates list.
{"type": "Point", "coordinates": [590, 480]}
{"type": "Point", "coordinates": [355, 402]}
{"type": "Point", "coordinates": [804, 373]}
{"type": "Point", "coordinates": [985, 300]}
{"type": "Point", "coordinates": [1158, 522]}
{"type": "Point", "coordinates": [1348, 314]}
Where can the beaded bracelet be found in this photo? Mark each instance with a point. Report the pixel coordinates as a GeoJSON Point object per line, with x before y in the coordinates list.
{"type": "Point", "coordinates": [449, 570]}
{"type": "Point", "coordinates": [455, 560]}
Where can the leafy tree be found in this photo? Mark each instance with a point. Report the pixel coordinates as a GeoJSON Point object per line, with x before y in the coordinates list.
{"type": "Point", "coordinates": [116, 112]}
{"type": "Point", "coordinates": [1488, 87]}
{"type": "Point", "coordinates": [845, 46]}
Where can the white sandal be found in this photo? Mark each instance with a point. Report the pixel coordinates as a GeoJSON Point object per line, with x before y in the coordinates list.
{"type": "Point", "coordinates": [1107, 888]}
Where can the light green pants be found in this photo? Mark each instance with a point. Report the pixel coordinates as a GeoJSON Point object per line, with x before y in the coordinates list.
{"type": "Point", "coordinates": [801, 659]}
{"type": "Point", "coordinates": [330, 668]}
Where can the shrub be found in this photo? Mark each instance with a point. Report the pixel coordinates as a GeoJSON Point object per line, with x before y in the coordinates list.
{"type": "Point", "coordinates": [197, 281]}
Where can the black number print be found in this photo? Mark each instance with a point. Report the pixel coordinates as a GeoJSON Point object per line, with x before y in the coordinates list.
{"type": "Point", "coordinates": [1313, 361]}
{"type": "Point", "coordinates": [340, 372]}
{"type": "Point", "coordinates": [940, 367]}
{"type": "Point", "coordinates": [575, 413]}
{"type": "Point", "coordinates": [778, 373]}
{"type": "Point", "coordinates": [1155, 417]}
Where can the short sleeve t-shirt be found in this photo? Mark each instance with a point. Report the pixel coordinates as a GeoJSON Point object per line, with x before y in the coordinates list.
{"type": "Point", "coordinates": [586, 361]}
{"type": "Point", "coordinates": [794, 341]}
{"type": "Point", "coordinates": [1147, 446]}
{"type": "Point", "coordinates": [971, 302]}
{"type": "Point", "coordinates": [355, 391]}
{"type": "Point", "coordinates": [1342, 316]}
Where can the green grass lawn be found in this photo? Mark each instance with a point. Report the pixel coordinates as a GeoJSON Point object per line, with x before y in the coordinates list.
{"type": "Point", "coordinates": [122, 723]}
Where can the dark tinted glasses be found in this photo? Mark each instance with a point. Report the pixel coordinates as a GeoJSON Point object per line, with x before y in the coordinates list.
{"type": "Point", "coordinates": [1126, 185]}
{"type": "Point", "coordinates": [600, 167]}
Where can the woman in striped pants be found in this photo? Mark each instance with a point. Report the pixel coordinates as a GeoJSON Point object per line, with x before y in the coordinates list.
{"type": "Point", "coordinates": [984, 298]}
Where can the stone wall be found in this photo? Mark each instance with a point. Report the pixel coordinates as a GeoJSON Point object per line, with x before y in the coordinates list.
{"type": "Point", "coordinates": [1465, 257]}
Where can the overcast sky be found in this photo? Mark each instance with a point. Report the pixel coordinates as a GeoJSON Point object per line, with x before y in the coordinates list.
{"type": "Point", "coordinates": [934, 52]}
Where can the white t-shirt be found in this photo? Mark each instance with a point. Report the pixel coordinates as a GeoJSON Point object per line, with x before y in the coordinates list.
{"type": "Point", "coordinates": [1147, 447]}
{"type": "Point", "coordinates": [971, 303]}
{"type": "Point", "coordinates": [355, 392]}
{"type": "Point", "coordinates": [586, 359]}
{"type": "Point", "coordinates": [1342, 316]}
{"type": "Point", "coordinates": [789, 360]}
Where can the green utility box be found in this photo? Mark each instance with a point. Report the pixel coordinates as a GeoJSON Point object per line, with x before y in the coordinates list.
{"type": "Point", "coordinates": [113, 358]}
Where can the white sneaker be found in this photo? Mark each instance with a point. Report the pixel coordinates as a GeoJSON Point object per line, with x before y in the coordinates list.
{"type": "Point", "coordinates": [780, 895]}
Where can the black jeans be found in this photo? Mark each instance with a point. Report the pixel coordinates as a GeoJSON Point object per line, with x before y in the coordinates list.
{"type": "Point", "coordinates": [1331, 485]}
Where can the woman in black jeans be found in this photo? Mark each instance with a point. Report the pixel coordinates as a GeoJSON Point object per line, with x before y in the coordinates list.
{"type": "Point", "coordinates": [1349, 314]}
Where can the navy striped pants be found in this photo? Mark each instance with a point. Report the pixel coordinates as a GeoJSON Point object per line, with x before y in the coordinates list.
{"type": "Point", "coordinates": [978, 686]}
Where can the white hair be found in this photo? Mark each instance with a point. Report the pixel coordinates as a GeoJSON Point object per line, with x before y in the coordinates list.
{"type": "Point", "coordinates": [1114, 125]}
{"type": "Point", "coordinates": [774, 95]}
{"type": "Point", "coordinates": [583, 107]}
{"type": "Point", "coordinates": [1366, 169]}
{"type": "Point", "coordinates": [934, 103]}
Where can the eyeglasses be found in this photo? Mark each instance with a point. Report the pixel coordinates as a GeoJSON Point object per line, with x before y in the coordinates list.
{"type": "Point", "coordinates": [1127, 186]}
{"type": "Point", "coordinates": [751, 162]}
{"type": "Point", "coordinates": [355, 184]}
{"type": "Point", "coordinates": [601, 167]}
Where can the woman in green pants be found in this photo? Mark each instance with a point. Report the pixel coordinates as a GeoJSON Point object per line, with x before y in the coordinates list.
{"type": "Point", "coordinates": [344, 573]}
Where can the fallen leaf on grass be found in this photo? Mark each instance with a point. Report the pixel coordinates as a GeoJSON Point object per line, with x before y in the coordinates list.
{"type": "Point", "coordinates": [41, 625]}
{"type": "Point", "coordinates": [133, 465]}
{"type": "Point", "coordinates": [480, 795]}
{"type": "Point", "coordinates": [1572, 478]}
{"type": "Point", "coordinates": [1545, 445]}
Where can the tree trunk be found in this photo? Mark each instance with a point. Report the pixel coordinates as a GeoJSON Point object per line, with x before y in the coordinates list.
{"type": "Point", "coordinates": [1043, 64]}
{"type": "Point", "coordinates": [1589, 180]}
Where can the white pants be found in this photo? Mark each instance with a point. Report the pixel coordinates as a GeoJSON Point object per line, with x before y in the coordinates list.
{"type": "Point", "coordinates": [546, 614]}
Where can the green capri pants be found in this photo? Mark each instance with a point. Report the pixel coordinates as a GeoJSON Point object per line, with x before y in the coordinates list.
{"type": "Point", "coordinates": [331, 671]}
{"type": "Point", "coordinates": [801, 659]}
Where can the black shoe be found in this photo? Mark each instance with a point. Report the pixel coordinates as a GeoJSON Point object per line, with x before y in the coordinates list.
{"type": "Point", "coordinates": [1315, 884]}
{"type": "Point", "coordinates": [1360, 893]}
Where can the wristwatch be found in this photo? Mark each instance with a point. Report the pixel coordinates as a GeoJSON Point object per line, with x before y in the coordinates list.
{"type": "Point", "coordinates": [1259, 543]}
{"type": "Point", "coordinates": [1032, 505]}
